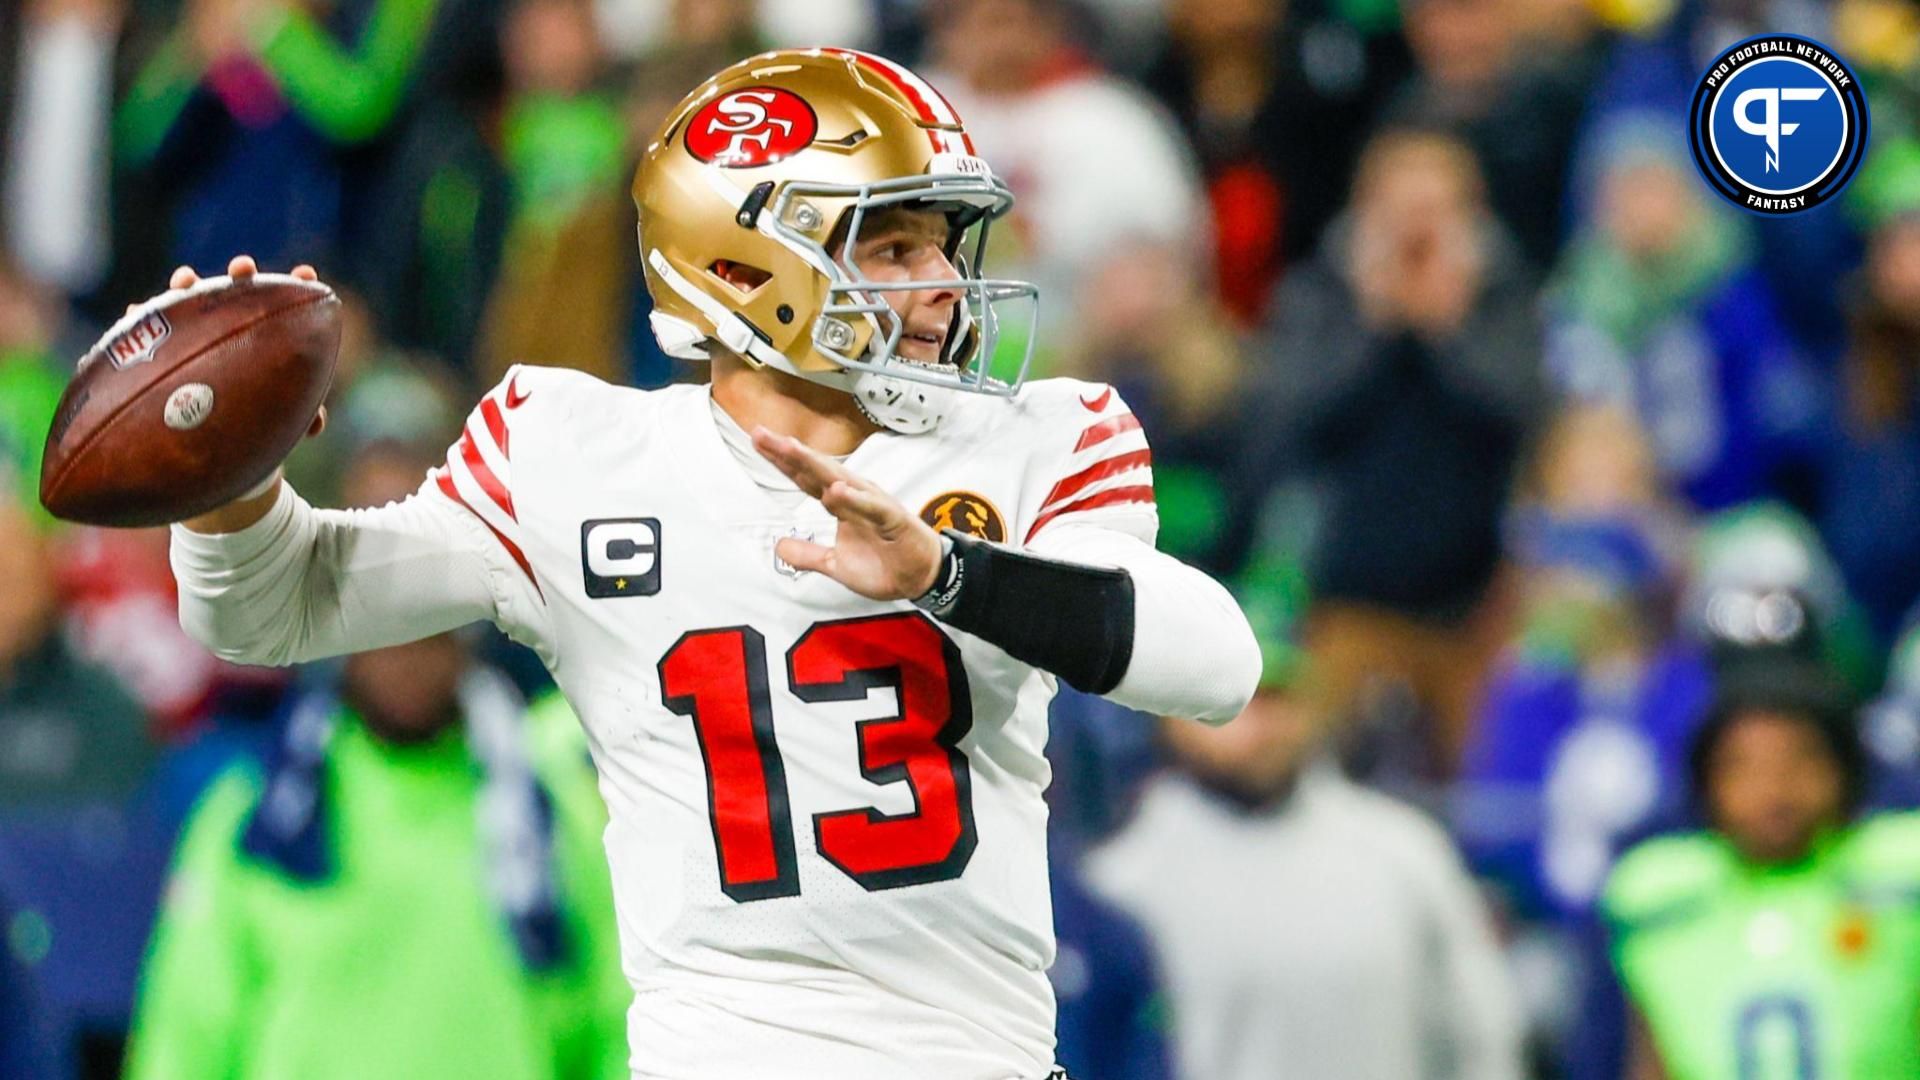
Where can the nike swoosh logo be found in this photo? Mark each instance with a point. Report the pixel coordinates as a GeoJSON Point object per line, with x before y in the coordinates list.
{"type": "Point", "coordinates": [1099, 404]}
{"type": "Point", "coordinates": [515, 398]}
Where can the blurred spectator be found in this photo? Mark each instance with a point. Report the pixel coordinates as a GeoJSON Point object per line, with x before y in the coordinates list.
{"type": "Point", "coordinates": [504, 232]}
{"type": "Point", "coordinates": [568, 265]}
{"type": "Point", "coordinates": [240, 120]}
{"type": "Point", "coordinates": [22, 1041]}
{"type": "Point", "coordinates": [1307, 926]}
{"type": "Point", "coordinates": [1401, 383]}
{"type": "Point", "coordinates": [1112, 1018]}
{"type": "Point", "coordinates": [1581, 742]}
{"type": "Point", "coordinates": [1657, 67]}
{"type": "Point", "coordinates": [1890, 728]}
{"type": "Point", "coordinates": [439, 220]}
{"type": "Point", "coordinates": [635, 28]}
{"type": "Point", "coordinates": [1095, 164]}
{"type": "Point", "coordinates": [57, 155]}
{"type": "Point", "coordinates": [1277, 97]}
{"type": "Point", "coordinates": [1152, 330]}
{"type": "Point", "coordinates": [119, 606]}
{"type": "Point", "coordinates": [1749, 559]}
{"type": "Point", "coordinates": [407, 827]}
{"type": "Point", "coordinates": [1658, 308]}
{"type": "Point", "coordinates": [1870, 497]}
{"type": "Point", "coordinates": [1517, 103]}
{"type": "Point", "coordinates": [68, 734]}
{"type": "Point", "coordinates": [1784, 939]}
{"type": "Point", "coordinates": [379, 394]}
{"type": "Point", "coordinates": [78, 862]}
{"type": "Point", "coordinates": [30, 384]}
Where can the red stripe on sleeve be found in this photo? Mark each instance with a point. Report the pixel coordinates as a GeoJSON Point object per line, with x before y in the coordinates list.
{"type": "Point", "coordinates": [1107, 429]}
{"type": "Point", "coordinates": [445, 480]}
{"type": "Point", "coordinates": [496, 424]}
{"type": "Point", "coordinates": [1140, 493]}
{"type": "Point", "coordinates": [1096, 472]}
{"type": "Point", "coordinates": [489, 483]}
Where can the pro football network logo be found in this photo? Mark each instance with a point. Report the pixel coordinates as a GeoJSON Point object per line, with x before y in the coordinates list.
{"type": "Point", "coordinates": [620, 557]}
{"type": "Point", "coordinates": [751, 127]}
{"type": "Point", "coordinates": [969, 513]}
{"type": "Point", "coordinates": [1779, 124]}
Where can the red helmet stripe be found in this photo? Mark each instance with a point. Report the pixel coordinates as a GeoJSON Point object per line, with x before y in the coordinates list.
{"type": "Point", "coordinates": [932, 105]}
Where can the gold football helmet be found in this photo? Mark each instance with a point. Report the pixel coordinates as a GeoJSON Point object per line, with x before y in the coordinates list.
{"type": "Point", "coordinates": [775, 161]}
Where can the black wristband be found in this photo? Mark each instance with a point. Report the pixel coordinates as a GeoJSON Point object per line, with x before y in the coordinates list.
{"type": "Point", "coordinates": [1073, 620]}
{"type": "Point", "coordinates": [945, 591]}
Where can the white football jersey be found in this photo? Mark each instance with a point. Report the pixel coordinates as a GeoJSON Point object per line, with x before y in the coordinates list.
{"type": "Point", "coordinates": [828, 839]}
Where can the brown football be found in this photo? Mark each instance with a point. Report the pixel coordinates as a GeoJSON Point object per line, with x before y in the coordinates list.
{"type": "Point", "coordinates": [190, 401]}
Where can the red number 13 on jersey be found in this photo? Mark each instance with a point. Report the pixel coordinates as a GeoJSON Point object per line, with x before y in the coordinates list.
{"type": "Point", "coordinates": [718, 678]}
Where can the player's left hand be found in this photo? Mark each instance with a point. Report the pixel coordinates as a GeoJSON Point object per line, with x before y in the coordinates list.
{"type": "Point", "coordinates": [882, 551]}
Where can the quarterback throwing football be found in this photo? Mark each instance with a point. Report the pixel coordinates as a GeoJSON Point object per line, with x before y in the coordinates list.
{"type": "Point", "coordinates": [818, 720]}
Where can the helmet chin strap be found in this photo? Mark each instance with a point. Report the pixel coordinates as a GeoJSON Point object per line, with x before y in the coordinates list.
{"type": "Point", "coordinates": [900, 405]}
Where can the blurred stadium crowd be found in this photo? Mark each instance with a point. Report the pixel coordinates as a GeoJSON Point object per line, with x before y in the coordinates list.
{"type": "Point", "coordinates": [1572, 505]}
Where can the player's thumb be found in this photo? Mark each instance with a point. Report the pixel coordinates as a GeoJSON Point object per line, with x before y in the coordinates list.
{"type": "Point", "coordinates": [319, 423]}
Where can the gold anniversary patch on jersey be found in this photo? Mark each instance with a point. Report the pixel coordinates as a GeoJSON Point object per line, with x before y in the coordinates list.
{"type": "Point", "coordinates": [969, 513]}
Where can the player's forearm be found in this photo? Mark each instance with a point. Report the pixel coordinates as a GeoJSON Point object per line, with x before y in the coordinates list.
{"type": "Point", "coordinates": [239, 514]}
{"type": "Point", "coordinates": [302, 584]}
{"type": "Point", "coordinates": [251, 595]}
{"type": "Point", "coordinates": [1193, 653]}
{"type": "Point", "coordinates": [1111, 616]}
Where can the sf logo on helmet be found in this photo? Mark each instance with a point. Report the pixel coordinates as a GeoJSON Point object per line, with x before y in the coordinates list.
{"type": "Point", "coordinates": [1779, 124]}
{"type": "Point", "coordinates": [751, 127]}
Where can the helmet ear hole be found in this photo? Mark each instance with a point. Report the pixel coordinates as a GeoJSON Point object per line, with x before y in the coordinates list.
{"type": "Point", "coordinates": [739, 276]}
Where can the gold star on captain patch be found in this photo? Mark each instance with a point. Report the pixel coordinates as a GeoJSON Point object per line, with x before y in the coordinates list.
{"type": "Point", "coordinates": [620, 583]}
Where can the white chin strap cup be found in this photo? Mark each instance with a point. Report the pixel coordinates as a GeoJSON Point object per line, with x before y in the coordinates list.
{"type": "Point", "coordinates": [901, 405]}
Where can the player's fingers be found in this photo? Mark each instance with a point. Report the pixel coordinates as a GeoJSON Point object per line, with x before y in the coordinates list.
{"type": "Point", "coordinates": [795, 469]}
{"type": "Point", "coordinates": [851, 503]}
{"type": "Point", "coordinates": [183, 278]}
{"type": "Point", "coordinates": [804, 554]}
{"type": "Point", "coordinates": [242, 266]}
{"type": "Point", "coordinates": [306, 273]}
{"type": "Point", "coordinates": [809, 469]}
{"type": "Point", "coordinates": [821, 468]}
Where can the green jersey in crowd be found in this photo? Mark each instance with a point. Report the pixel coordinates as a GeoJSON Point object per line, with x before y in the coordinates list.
{"type": "Point", "coordinates": [30, 389]}
{"type": "Point", "coordinates": [1801, 972]}
{"type": "Point", "coordinates": [398, 967]}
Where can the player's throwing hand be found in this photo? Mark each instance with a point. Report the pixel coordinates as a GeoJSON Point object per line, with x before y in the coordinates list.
{"type": "Point", "coordinates": [882, 551]}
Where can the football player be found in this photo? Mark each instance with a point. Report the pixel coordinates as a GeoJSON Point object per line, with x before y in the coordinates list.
{"type": "Point", "coordinates": [818, 721]}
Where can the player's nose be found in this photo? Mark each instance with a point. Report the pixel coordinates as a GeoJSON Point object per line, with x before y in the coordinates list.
{"type": "Point", "coordinates": [937, 267]}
